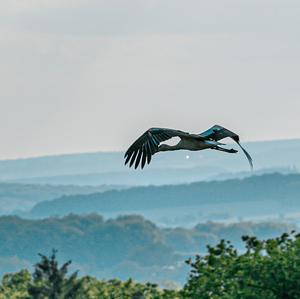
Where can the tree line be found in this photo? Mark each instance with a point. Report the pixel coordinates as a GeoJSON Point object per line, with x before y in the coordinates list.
{"type": "Point", "coordinates": [120, 247]}
{"type": "Point", "coordinates": [268, 269]}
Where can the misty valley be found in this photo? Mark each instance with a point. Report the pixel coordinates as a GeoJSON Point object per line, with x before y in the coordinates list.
{"type": "Point", "coordinates": [122, 236]}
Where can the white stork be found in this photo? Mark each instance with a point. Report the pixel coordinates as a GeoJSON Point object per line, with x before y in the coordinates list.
{"type": "Point", "coordinates": [150, 143]}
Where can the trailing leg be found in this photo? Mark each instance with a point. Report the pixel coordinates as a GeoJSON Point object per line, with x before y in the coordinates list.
{"type": "Point", "coordinates": [221, 149]}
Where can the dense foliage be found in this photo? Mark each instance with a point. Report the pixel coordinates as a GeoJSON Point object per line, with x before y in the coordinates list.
{"type": "Point", "coordinates": [268, 269]}
{"type": "Point", "coordinates": [51, 281]}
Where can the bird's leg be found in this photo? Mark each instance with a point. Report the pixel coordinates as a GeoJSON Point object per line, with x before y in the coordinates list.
{"type": "Point", "coordinates": [218, 148]}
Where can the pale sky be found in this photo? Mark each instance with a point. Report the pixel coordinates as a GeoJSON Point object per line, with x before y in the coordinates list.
{"type": "Point", "coordinates": [80, 76]}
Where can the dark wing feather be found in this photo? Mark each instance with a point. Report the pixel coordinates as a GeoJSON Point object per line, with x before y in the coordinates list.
{"type": "Point", "coordinates": [144, 157]}
{"type": "Point", "coordinates": [147, 145]}
{"type": "Point", "coordinates": [218, 132]}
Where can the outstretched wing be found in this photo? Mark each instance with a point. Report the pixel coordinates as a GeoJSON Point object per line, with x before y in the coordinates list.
{"type": "Point", "coordinates": [147, 145]}
{"type": "Point", "coordinates": [218, 132]}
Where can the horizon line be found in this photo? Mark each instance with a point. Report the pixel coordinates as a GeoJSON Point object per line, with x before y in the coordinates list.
{"type": "Point", "coordinates": [40, 156]}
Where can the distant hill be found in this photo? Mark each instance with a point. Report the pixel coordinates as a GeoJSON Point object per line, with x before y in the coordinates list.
{"type": "Point", "coordinates": [254, 196]}
{"type": "Point", "coordinates": [23, 197]}
{"type": "Point", "coordinates": [165, 168]}
{"type": "Point", "coordinates": [128, 177]}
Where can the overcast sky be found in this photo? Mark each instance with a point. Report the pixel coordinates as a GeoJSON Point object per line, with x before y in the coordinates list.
{"type": "Point", "coordinates": [80, 76]}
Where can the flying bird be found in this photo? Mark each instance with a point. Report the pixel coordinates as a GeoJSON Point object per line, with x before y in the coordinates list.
{"type": "Point", "coordinates": [150, 143]}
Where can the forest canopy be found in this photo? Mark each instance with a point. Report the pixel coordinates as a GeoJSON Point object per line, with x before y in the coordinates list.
{"type": "Point", "coordinates": [267, 269]}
